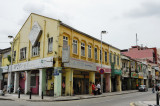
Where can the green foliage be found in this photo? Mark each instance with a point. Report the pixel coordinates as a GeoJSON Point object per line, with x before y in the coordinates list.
{"type": "Point", "coordinates": [9, 58]}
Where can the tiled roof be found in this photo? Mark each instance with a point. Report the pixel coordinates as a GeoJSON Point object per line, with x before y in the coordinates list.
{"type": "Point", "coordinates": [140, 54]}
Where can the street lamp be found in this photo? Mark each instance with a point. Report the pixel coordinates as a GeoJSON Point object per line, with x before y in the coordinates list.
{"type": "Point", "coordinates": [11, 63]}
{"type": "Point", "coordinates": [102, 32]}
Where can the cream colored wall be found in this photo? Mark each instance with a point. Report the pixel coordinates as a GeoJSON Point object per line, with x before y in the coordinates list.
{"type": "Point", "coordinates": [64, 31]}
{"type": "Point", "coordinates": [49, 29]}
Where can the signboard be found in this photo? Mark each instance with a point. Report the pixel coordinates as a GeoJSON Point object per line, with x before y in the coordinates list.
{"type": "Point", "coordinates": [134, 75]}
{"type": "Point", "coordinates": [35, 33]}
{"type": "Point", "coordinates": [101, 71]}
{"type": "Point", "coordinates": [35, 64]}
{"type": "Point", "coordinates": [57, 70]}
{"type": "Point", "coordinates": [80, 64]}
{"type": "Point", "coordinates": [107, 69]}
{"type": "Point", "coordinates": [140, 75]}
{"type": "Point", "coordinates": [65, 54]}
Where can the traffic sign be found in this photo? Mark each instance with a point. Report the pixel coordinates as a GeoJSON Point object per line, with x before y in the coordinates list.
{"type": "Point", "coordinates": [101, 71]}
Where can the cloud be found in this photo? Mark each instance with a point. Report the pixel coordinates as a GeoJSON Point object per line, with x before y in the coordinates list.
{"type": "Point", "coordinates": [147, 9]}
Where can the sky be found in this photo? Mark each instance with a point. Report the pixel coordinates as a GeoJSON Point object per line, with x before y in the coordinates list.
{"type": "Point", "coordinates": [122, 19]}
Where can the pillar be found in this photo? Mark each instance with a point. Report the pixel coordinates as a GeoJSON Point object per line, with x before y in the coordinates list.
{"type": "Point", "coordinates": [27, 81]}
{"type": "Point", "coordinates": [57, 83]}
{"type": "Point", "coordinates": [42, 81]}
{"type": "Point", "coordinates": [110, 84]}
{"type": "Point", "coordinates": [8, 83]}
{"type": "Point", "coordinates": [118, 86]}
{"type": "Point", "coordinates": [69, 82]}
{"type": "Point", "coordinates": [16, 81]}
{"type": "Point", "coordinates": [91, 80]}
{"type": "Point", "coordinates": [107, 76]}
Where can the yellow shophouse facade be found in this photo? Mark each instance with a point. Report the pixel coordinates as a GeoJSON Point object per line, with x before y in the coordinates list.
{"type": "Point", "coordinates": [56, 59]}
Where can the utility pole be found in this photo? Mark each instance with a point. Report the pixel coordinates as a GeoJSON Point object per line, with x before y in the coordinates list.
{"type": "Point", "coordinates": [136, 40]}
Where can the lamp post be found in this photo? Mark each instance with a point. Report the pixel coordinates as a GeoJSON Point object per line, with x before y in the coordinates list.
{"type": "Point", "coordinates": [11, 63]}
{"type": "Point", "coordinates": [102, 32]}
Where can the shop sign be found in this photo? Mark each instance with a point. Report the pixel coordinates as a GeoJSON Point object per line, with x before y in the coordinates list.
{"type": "Point", "coordinates": [117, 72]}
{"type": "Point", "coordinates": [80, 64]}
{"type": "Point", "coordinates": [57, 70]}
{"type": "Point", "coordinates": [140, 75]}
{"type": "Point", "coordinates": [106, 69]}
{"type": "Point", "coordinates": [5, 69]}
{"type": "Point", "coordinates": [134, 75]}
{"type": "Point", "coordinates": [35, 33]}
{"type": "Point", "coordinates": [35, 64]}
{"type": "Point", "coordinates": [65, 54]}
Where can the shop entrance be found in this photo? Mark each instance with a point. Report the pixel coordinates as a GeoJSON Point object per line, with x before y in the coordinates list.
{"type": "Point", "coordinates": [114, 83]}
{"type": "Point", "coordinates": [81, 82]}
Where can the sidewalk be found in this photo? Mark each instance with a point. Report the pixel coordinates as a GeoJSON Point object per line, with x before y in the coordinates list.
{"type": "Point", "coordinates": [36, 98]}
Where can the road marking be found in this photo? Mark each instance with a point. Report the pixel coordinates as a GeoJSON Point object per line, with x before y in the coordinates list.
{"type": "Point", "coordinates": [132, 104]}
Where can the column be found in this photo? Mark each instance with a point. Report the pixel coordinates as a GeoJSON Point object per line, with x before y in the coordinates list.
{"type": "Point", "coordinates": [69, 82]}
{"type": "Point", "coordinates": [91, 80]}
{"type": "Point", "coordinates": [42, 81]}
{"type": "Point", "coordinates": [8, 83]}
{"type": "Point", "coordinates": [16, 81]}
{"type": "Point", "coordinates": [27, 81]}
{"type": "Point", "coordinates": [110, 84]}
{"type": "Point", "coordinates": [57, 84]}
{"type": "Point", "coordinates": [107, 76]}
{"type": "Point", "coordinates": [118, 86]}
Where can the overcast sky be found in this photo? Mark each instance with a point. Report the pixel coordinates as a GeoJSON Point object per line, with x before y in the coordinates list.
{"type": "Point", "coordinates": [122, 19]}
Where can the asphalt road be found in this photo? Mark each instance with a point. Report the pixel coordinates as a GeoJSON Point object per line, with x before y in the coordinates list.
{"type": "Point", "coordinates": [117, 100]}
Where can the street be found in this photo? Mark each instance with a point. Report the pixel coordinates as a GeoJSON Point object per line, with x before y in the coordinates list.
{"type": "Point", "coordinates": [117, 100]}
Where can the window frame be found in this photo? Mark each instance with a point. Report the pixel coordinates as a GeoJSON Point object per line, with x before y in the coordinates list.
{"type": "Point", "coordinates": [23, 53]}
{"type": "Point", "coordinates": [89, 53]}
{"type": "Point", "coordinates": [50, 45]}
{"type": "Point", "coordinates": [105, 57]}
{"type": "Point", "coordinates": [75, 44]}
{"type": "Point", "coordinates": [82, 49]}
{"type": "Point", "coordinates": [65, 38]}
{"type": "Point", "coordinates": [36, 50]}
{"type": "Point", "coordinates": [96, 53]}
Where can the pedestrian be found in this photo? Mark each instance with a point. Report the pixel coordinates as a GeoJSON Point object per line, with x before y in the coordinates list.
{"type": "Point", "coordinates": [99, 88]}
{"type": "Point", "coordinates": [93, 89]}
{"type": "Point", "coordinates": [153, 89]}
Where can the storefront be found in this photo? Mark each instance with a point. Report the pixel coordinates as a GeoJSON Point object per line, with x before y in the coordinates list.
{"type": "Point", "coordinates": [84, 74]}
{"type": "Point", "coordinates": [116, 80]}
{"type": "Point", "coordinates": [140, 78]}
{"type": "Point", "coordinates": [28, 75]}
{"type": "Point", "coordinates": [134, 80]}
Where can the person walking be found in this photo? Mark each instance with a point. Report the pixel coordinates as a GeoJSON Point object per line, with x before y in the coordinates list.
{"type": "Point", "coordinates": [99, 88]}
{"type": "Point", "coordinates": [153, 89]}
{"type": "Point", "coordinates": [93, 89]}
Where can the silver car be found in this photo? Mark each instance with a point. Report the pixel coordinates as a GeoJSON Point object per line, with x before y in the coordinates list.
{"type": "Point", "coordinates": [143, 88]}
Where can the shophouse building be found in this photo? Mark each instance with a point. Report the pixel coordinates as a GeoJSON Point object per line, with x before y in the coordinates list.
{"type": "Point", "coordinates": [115, 61]}
{"type": "Point", "coordinates": [4, 61]}
{"type": "Point", "coordinates": [56, 59]}
{"type": "Point", "coordinates": [126, 72]}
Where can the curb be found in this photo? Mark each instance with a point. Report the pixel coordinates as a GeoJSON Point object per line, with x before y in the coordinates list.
{"type": "Point", "coordinates": [72, 98]}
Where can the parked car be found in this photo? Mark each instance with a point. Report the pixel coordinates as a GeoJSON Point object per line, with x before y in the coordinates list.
{"type": "Point", "coordinates": [143, 88]}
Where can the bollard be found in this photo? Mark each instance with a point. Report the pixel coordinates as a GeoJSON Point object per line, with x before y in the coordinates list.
{"type": "Point", "coordinates": [42, 94]}
{"type": "Point", "coordinates": [30, 93]}
{"type": "Point", "coordinates": [157, 98]}
{"type": "Point", "coordinates": [18, 93]}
